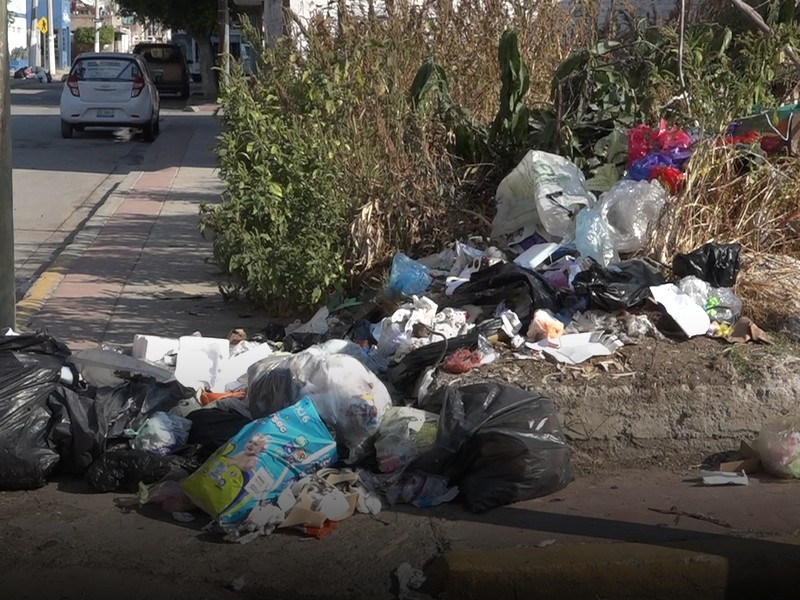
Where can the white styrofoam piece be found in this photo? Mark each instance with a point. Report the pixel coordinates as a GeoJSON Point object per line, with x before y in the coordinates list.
{"type": "Point", "coordinates": [536, 255]}
{"type": "Point", "coordinates": [234, 368]}
{"type": "Point", "coordinates": [153, 347]}
{"type": "Point", "coordinates": [200, 360]}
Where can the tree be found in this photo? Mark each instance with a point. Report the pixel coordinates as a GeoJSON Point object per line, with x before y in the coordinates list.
{"type": "Point", "coordinates": [84, 36]}
{"type": "Point", "coordinates": [198, 18]}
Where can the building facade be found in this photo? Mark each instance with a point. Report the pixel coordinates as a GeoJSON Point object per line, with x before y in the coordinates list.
{"type": "Point", "coordinates": [17, 26]}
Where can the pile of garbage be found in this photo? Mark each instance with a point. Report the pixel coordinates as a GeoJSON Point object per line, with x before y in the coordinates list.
{"type": "Point", "coordinates": [301, 426]}
{"type": "Point", "coordinates": [262, 439]}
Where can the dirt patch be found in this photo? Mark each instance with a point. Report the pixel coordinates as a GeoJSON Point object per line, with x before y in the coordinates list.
{"type": "Point", "coordinates": [667, 403]}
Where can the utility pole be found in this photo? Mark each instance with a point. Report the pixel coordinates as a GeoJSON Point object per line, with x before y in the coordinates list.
{"type": "Point", "coordinates": [96, 25]}
{"type": "Point", "coordinates": [33, 35]}
{"type": "Point", "coordinates": [8, 286]}
{"type": "Point", "coordinates": [51, 42]}
{"type": "Point", "coordinates": [224, 39]}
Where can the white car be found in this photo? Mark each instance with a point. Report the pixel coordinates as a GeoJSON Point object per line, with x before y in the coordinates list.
{"type": "Point", "coordinates": [109, 90]}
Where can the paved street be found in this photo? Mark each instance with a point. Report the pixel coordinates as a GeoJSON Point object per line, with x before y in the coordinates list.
{"type": "Point", "coordinates": [58, 183]}
{"type": "Point", "coordinates": [139, 265]}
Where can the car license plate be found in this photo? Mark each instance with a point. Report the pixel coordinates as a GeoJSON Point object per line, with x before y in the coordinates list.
{"type": "Point", "coordinates": [105, 113]}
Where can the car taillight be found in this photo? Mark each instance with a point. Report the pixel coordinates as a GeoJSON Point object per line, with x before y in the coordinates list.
{"type": "Point", "coordinates": [72, 84]}
{"type": "Point", "coordinates": [138, 86]}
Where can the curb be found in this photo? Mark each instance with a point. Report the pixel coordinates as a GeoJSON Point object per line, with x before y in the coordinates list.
{"type": "Point", "coordinates": [47, 282]}
{"type": "Point", "coordinates": [711, 568]}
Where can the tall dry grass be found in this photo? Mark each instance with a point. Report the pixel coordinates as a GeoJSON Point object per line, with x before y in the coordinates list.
{"type": "Point", "coordinates": [411, 195]}
{"type": "Point", "coordinates": [734, 196]}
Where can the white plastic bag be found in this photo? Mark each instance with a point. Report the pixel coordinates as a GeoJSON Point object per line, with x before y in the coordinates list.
{"type": "Point", "coordinates": [162, 433]}
{"type": "Point", "coordinates": [630, 207]}
{"type": "Point", "coordinates": [543, 193]}
{"type": "Point", "coordinates": [349, 397]}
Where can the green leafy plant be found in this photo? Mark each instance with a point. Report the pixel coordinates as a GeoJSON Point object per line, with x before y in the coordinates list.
{"type": "Point", "coordinates": [84, 36]}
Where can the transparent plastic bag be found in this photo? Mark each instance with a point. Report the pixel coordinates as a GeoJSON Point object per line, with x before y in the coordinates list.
{"type": "Point", "coordinates": [162, 433]}
{"type": "Point", "coordinates": [404, 434]}
{"type": "Point", "coordinates": [593, 236]}
{"type": "Point", "coordinates": [778, 445]}
{"type": "Point", "coordinates": [630, 207]}
{"type": "Point", "coordinates": [721, 304]}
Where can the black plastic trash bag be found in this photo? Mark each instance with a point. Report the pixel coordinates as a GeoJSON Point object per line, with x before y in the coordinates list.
{"type": "Point", "coordinates": [30, 373]}
{"type": "Point", "coordinates": [129, 405]}
{"type": "Point", "coordinates": [503, 282]}
{"type": "Point", "coordinates": [271, 392]}
{"type": "Point", "coordinates": [718, 264]}
{"type": "Point", "coordinates": [622, 285]}
{"type": "Point", "coordinates": [107, 368]}
{"type": "Point", "coordinates": [500, 444]}
{"type": "Point", "coordinates": [212, 428]}
{"type": "Point", "coordinates": [121, 469]}
{"type": "Point", "coordinates": [84, 424]}
{"type": "Point", "coordinates": [405, 374]}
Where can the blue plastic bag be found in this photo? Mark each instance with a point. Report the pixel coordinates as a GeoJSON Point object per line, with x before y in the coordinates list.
{"type": "Point", "coordinates": [408, 277]}
{"type": "Point", "coordinates": [642, 169]}
{"type": "Point", "coordinates": [261, 460]}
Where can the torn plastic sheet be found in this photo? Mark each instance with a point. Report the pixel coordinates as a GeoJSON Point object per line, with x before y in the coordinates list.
{"type": "Point", "coordinates": [690, 317]}
{"type": "Point", "coordinates": [575, 348]}
{"type": "Point", "coordinates": [630, 329]}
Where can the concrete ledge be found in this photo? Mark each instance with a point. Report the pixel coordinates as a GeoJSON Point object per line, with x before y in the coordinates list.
{"type": "Point", "coordinates": [717, 567]}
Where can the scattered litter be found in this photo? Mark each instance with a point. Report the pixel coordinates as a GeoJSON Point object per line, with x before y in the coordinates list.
{"type": "Point", "coordinates": [692, 515]}
{"type": "Point", "coordinates": [575, 348]}
{"type": "Point", "coordinates": [690, 317]}
{"type": "Point", "coordinates": [724, 478]}
{"type": "Point", "coordinates": [236, 585]}
{"type": "Point", "coordinates": [183, 517]}
{"type": "Point", "coordinates": [746, 331]}
{"type": "Point", "coordinates": [778, 445]}
{"type": "Point", "coordinates": [408, 578]}
{"type": "Point", "coordinates": [545, 543]}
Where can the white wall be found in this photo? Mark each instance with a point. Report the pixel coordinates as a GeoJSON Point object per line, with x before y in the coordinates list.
{"type": "Point", "coordinates": [17, 36]}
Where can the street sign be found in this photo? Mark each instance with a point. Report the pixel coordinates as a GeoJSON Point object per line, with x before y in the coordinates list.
{"type": "Point", "coordinates": [41, 24]}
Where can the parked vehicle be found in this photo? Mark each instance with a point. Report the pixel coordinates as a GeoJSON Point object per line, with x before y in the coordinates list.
{"type": "Point", "coordinates": [109, 89]}
{"type": "Point", "coordinates": [241, 51]}
{"type": "Point", "coordinates": [167, 65]}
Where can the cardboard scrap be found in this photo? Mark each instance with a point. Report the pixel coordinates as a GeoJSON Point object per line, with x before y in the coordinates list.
{"type": "Point", "coordinates": [748, 461]}
{"type": "Point", "coordinates": [319, 500]}
{"type": "Point", "coordinates": [745, 331]}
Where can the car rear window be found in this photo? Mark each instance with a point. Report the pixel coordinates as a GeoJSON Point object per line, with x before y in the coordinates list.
{"type": "Point", "coordinates": [161, 53]}
{"type": "Point", "coordinates": [105, 69]}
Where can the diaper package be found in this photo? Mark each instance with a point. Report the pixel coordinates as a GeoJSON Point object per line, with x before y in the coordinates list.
{"type": "Point", "coordinates": [261, 460]}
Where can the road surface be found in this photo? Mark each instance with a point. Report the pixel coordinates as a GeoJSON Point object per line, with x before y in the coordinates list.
{"type": "Point", "coordinates": [58, 182]}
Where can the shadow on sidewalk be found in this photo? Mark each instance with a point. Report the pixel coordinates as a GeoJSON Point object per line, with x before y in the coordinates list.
{"type": "Point", "coordinates": [746, 556]}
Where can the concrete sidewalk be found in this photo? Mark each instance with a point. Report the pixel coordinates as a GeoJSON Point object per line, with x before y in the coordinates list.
{"type": "Point", "coordinates": [141, 266]}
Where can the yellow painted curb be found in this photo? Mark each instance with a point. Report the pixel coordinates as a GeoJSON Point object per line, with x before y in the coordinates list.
{"type": "Point", "coordinates": [36, 296]}
{"type": "Point", "coordinates": [708, 569]}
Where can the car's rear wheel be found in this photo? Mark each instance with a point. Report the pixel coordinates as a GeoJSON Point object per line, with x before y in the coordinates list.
{"type": "Point", "coordinates": [150, 131]}
{"type": "Point", "coordinates": [66, 130]}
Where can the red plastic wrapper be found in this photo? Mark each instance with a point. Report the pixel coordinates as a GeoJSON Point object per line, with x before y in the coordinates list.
{"type": "Point", "coordinates": [748, 138]}
{"type": "Point", "coordinates": [670, 177]}
{"type": "Point", "coordinates": [317, 532]}
{"type": "Point", "coordinates": [642, 140]}
{"type": "Point", "coordinates": [461, 361]}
